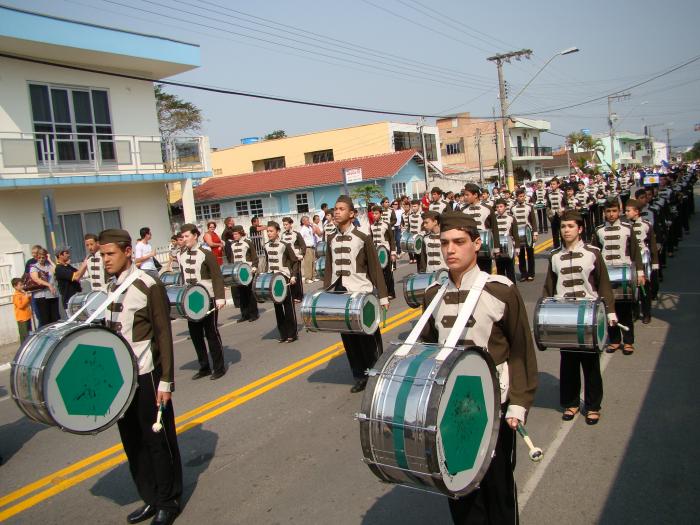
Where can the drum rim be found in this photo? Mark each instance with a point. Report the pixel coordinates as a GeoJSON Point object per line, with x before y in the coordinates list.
{"type": "Point", "coordinates": [594, 303]}
{"type": "Point", "coordinates": [382, 247]}
{"type": "Point", "coordinates": [272, 274]}
{"type": "Point", "coordinates": [184, 311]}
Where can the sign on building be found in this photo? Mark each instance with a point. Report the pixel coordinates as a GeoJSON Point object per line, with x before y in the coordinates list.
{"type": "Point", "coordinates": [353, 175]}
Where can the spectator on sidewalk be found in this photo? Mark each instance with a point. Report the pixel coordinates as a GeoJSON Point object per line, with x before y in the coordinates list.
{"type": "Point", "coordinates": [144, 255]}
{"type": "Point", "coordinates": [42, 273]}
{"type": "Point", "coordinates": [23, 312]}
{"type": "Point", "coordinates": [67, 276]}
{"type": "Point", "coordinates": [307, 233]}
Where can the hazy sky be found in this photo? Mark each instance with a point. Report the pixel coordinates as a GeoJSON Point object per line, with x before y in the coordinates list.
{"type": "Point", "coordinates": [422, 56]}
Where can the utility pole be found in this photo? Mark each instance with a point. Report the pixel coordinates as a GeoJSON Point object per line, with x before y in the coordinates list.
{"type": "Point", "coordinates": [477, 141]}
{"type": "Point", "coordinates": [425, 153]}
{"type": "Point", "coordinates": [668, 145]}
{"type": "Point", "coordinates": [621, 96]}
{"type": "Point", "coordinates": [495, 140]}
{"type": "Point", "coordinates": [568, 156]}
{"type": "Point", "coordinates": [499, 59]}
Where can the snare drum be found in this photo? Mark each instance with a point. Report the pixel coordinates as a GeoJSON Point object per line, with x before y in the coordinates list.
{"type": "Point", "coordinates": [624, 282]}
{"type": "Point", "coordinates": [431, 424]}
{"type": "Point", "coordinates": [383, 255]}
{"type": "Point", "coordinates": [271, 286]}
{"type": "Point", "coordinates": [507, 247]}
{"type": "Point", "coordinates": [320, 267]}
{"type": "Point", "coordinates": [570, 324]}
{"type": "Point", "coordinates": [321, 249]}
{"type": "Point", "coordinates": [237, 274]}
{"type": "Point", "coordinates": [646, 262]}
{"type": "Point", "coordinates": [525, 234]}
{"type": "Point", "coordinates": [411, 242]}
{"type": "Point", "coordinates": [93, 300]}
{"type": "Point", "coordinates": [188, 301]}
{"type": "Point", "coordinates": [356, 313]}
{"type": "Point", "coordinates": [415, 285]}
{"type": "Point", "coordinates": [486, 243]}
{"type": "Point", "coordinates": [80, 378]}
{"type": "Point", "coordinates": [170, 278]}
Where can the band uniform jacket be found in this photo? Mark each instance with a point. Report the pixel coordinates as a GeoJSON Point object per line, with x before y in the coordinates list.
{"type": "Point", "coordinates": [539, 198]}
{"type": "Point", "coordinates": [525, 214]}
{"type": "Point", "coordinates": [415, 221]}
{"type": "Point", "coordinates": [555, 202]}
{"type": "Point", "coordinates": [500, 325]}
{"type": "Point", "coordinates": [508, 227]}
{"type": "Point", "coordinates": [243, 250]}
{"type": "Point", "coordinates": [96, 272]}
{"type": "Point", "coordinates": [619, 245]}
{"type": "Point", "coordinates": [296, 241]}
{"type": "Point", "coordinates": [352, 257]}
{"type": "Point", "coordinates": [141, 314]}
{"type": "Point", "coordinates": [485, 219]}
{"type": "Point", "coordinates": [200, 266]}
{"type": "Point", "coordinates": [430, 258]}
{"type": "Point", "coordinates": [644, 232]}
{"type": "Point", "coordinates": [389, 217]}
{"type": "Point", "coordinates": [438, 206]}
{"type": "Point", "coordinates": [329, 229]}
{"type": "Point", "coordinates": [383, 235]}
{"type": "Point", "coordinates": [281, 257]}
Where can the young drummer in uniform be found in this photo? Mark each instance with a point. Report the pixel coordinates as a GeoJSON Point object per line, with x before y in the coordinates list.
{"type": "Point", "coordinates": [577, 271]}
{"type": "Point", "coordinates": [413, 222]}
{"type": "Point", "coordinates": [199, 266]}
{"type": "Point", "coordinates": [388, 215]}
{"type": "Point", "coordinates": [539, 199]}
{"type": "Point", "coordinates": [430, 259]}
{"type": "Point", "coordinates": [618, 243]}
{"type": "Point", "coordinates": [501, 325]}
{"type": "Point", "coordinates": [329, 225]}
{"type": "Point", "coordinates": [383, 235]}
{"type": "Point", "coordinates": [644, 232]}
{"type": "Point", "coordinates": [352, 266]}
{"type": "Point", "coordinates": [524, 213]}
{"type": "Point", "coordinates": [296, 241]}
{"type": "Point", "coordinates": [281, 257]}
{"type": "Point", "coordinates": [555, 207]}
{"type": "Point", "coordinates": [95, 267]}
{"type": "Point", "coordinates": [507, 227]}
{"type": "Point", "coordinates": [485, 220]}
{"type": "Point", "coordinates": [141, 314]}
{"type": "Point", "coordinates": [243, 250]}
{"type": "Point", "coordinates": [436, 202]}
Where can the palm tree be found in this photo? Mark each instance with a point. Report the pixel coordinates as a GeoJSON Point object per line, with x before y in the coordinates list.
{"type": "Point", "coordinates": [366, 193]}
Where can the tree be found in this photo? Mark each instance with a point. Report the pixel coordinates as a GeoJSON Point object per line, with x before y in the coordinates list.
{"type": "Point", "coordinates": [694, 152]}
{"type": "Point", "coordinates": [277, 134]}
{"type": "Point", "coordinates": [585, 142]}
{"type": "Point", "coordinates": [175, 116]}
{"type": "Point", "coordinates": [366, 193]}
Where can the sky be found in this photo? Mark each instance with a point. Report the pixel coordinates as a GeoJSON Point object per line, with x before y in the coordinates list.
{"type": "Point", "coordinates": [426, 57]}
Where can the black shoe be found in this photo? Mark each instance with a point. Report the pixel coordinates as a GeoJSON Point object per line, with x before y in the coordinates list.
{"type": "Point", "coordinates": [201, 374]}
{"type": "Point", "coordinates": [646, 319]}
{"type": "Point", "coordinates": [218, 374]}
{"type": "Point", "coordinates": [523, 279]}
{"type": "Point", "coordinates": [242, 320]}
{"type": "Point", "coordinates": [359, 386]}
{"type": "Point", "coordinates": [291, 339]}
{"type": "Point", "coordinates": [164, 517]}
{"type": "Point", "coordinates": [253, 318]}
{"type": "Point", "coordinates": [141, 514]}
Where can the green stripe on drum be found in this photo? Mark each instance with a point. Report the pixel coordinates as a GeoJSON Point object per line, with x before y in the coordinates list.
{"type": "Point", "coordinates": [580, 323]}
{"type": "Point", "coordinates": [624, 280]}
{"type": "Point", "coordinates": [347, 312]}
{"type": "Point", "coordinates": [411, 290]}
{"type": "Point", "coordinates": [314, 302]}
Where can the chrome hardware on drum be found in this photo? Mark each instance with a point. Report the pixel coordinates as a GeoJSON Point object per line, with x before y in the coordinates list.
{"type": "Point", "coordinates": [624, 282]}
{"type": "Point", "coordinates": [93, 300]}
{"type": "Point", "coordinates": [428, 423]}
{"type": "Point", "coordinates": [170, 278]}
{"type": "Point", "coordinates": [356, 312]}
{"type": "Point", "coordinates": [525, 234]}
{"type": "Point", "coordinates": [238, 274]}
{"type": "Point", "coordinates": [320, 249]}
{"type": "Point", "coordinates": [507, 246]}
{"type": "Point", "coordinates": [571, 324]}
{"type": "Point", "coordinates": [411, 242]}
{"type": "Point", "coordinates": [383, 255]}
{"type": "Point", "coordinates": [320, 267]}
{"type": "Point", "coordinates": [271, 286]}
{"type": "Point", "coordinates": [188, 301]}
{"type": "Point", "coordinates": [486, 243]}
{"type": "Point", "coordinates": [80, 378]}
{"type": "Point", "coordinates": [415, 285]}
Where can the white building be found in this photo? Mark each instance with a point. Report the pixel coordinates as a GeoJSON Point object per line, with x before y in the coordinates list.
{"type": "Point", "coordinates": [526, 149]}
{"type": "Point", "coordinates": [80, 150]}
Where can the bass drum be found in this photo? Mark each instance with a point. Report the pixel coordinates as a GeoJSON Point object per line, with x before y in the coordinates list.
{"type": "Point", "coordinates": [525, 235]}
{"type": "Point", "coordinates": [486, 243]}
{"type": "Point", "coordinates": [271, 286]}
{"type": "Point", "coordinates": [624, 282]}
{"type": "Point", "coordinates": [411, 242]}
{"type": "Point", "coordinates": [171, 278]}
{"type": "Point", "coordinates": [93, 300]}
{"type": "Point", "coordinates": [415, 285]}
{"type": "Point", "coordinates": [237, 274]}
{"type": "Point", "coordinates": [80, 378]}
{"type": "Point", "coordinates": [191, 302]}
{"type": "Point", "coordinates": [356, 313]}
{"type": "Point", "coordinates": [569, 324]}
{"type": "Point", "coordinates": [383, 255]}
{"type": "Point", "coordinates": [320, 267]}
{"type": "Point", "coordinates": [431, 424]}
{"type": "Point", "coordinates": [320, 249]}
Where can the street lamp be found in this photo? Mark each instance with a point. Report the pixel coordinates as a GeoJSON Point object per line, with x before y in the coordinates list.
{"type": "Point", "coordinates": [568, 51]}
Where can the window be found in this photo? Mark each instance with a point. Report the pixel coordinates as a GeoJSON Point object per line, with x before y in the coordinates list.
{"type": "Point", "coordinates": [252, 207]}
{"type": "Point", "coordinates": [218, 171]}
{"type": "Point", "coordinates": [72, 125]}
{"type": "Point", "coordinates": [398, 189]}
{"type": "Point", "coordinates": [454, 148]}
{"type": "Point", "coordinates": [316, 157]}
{"type": "Point", "coordinates": [269, 164]}
{"type": "Point", "coordinates": [71, 227]}
{"type": "Point", "coordinates": [548, 172]}
{"type": "Point", "coordinates": [410, 140]}
{"type": "Point", "coordinates": [241, 208]}
{"type": "Point", "coordinates": [302, 203]}
{"type": "Point", "coordinates": [204, 212]}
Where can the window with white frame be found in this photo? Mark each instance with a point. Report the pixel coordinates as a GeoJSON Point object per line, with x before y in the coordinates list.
{"type": "Point", "coordinates": [398, 189]}
{"type": "Point", "coordinates": [204, 212]}
{"type": "Point", "coordinates": [71, 227]}
{"type": "Point", "coordinates": [454, 148]}
{"type": "Point", "coordinates": [302, 203]}
{"type": "Point", "coordinates": [242, 208]}
{"type": "Point", "coordinates": [256, 207]}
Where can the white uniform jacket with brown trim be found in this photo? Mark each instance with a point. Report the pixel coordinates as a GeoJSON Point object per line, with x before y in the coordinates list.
{"type": "Point", "coordinates": [485, 219]}
{"type": "Point", "coordinates": [415, 221]}
{"type": "Point", "coordinates": [389, 217]}
{"type": "Point", "coordinates": [383, 235]}
{"type": "Point", "coordinates": [618, 244]}
{"type": "Point", "coordinates": [96, 274]}
{"type": "Point", "coordinates": [296, 241]}
{"type": "Point", "coordinates": [281, 257]}
{"type": "Point", "coordinates": [525, 214]}
{"type": "Point", "coordinates": [200, 266]}
{"type": "Point", "coordinates": [438, 206]}
{"type": "Point", "coordinates": [499, 324]}
{"type": "Point", "coordinates": [508, 227]}
{"type": "Point", "coordinates": [644, 232]}
{"type": "Point", "coordinates": [243, 250]}
{"type": "Point", "coordinates": [430, 258]}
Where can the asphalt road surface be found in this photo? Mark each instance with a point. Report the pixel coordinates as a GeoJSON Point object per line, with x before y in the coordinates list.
{"type": "Point", "coordinates": [275, 441]}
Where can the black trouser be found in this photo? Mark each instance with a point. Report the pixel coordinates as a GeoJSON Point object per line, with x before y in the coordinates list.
{"type": "Point", "coordinates": [236, 296]}
{"type": "Point", "coordinates": [555, 221]}
{"type": "Point", "coordinates": [645, 297]}
{"type": "Point", "coordinates": [496, 499]}
{"type": "Point", "coordinates": [542, 220]}
{"type": "Point", "coordinates": [47, 311]}
{"type": "Point", "coordinates": [389, 279]}
{"type": "Point", "coordinates": [207, 327]}
{"type": "Point", "coordinates": [526, 261]}
{"type": "Point", "coordinates": [154, 457]}
{"type": "Point", "coordinates": [297, 289]}
{"type": "Point", "coordinates": [587, 225]}
{"type": "Point", "coordinates": [246, 301]}
{"type": "Point", "coordinates": [505, 266]}
{"type": "Point", "coordinates": [484, 263]}
{"type": "Point", "coordinates": [623, 310]}
{"type": "Point", "coordinates": [286, 318]}
{"type": "Point", "coordinates": [624, 197]}
{"type": "Point", "coordinates": [570, 368]}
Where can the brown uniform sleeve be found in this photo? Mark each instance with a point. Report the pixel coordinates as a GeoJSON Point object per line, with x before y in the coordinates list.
{"type": "Point", "coordinates": [602, 280]}
{"type": "Point", "coordinates": [492, 224]}
{"type": "Point", "coordinates": [392, 219]}
{"type": "Point", "coordinates": [533, 219]}
{"type": "Point", "coordinates": [653, 248]}
{"type": "Point", "coordinates": [391, 239]}
{"type": "Point", "coordinates": [159, 312]}
{"type": "Point", "coordinates": [635, 252]}
{"type": "Point", "coordinates": [374, 269]}
{"type": "Point", "coordinates": [423, 257]}
{"type": "Point", "coordinates": [429, 334]}
{"type": "Point", "coordinates": [217, 280]}
{"type": "Point", "coordinates": [290, 259]}
{"type": "Point", "coordinates": [299, 244]}
{"type": "Point", "coordinates": [328, 272]}
{"type": "Point", "coordinates": [550, 281]}
{"type": "Point", "coordinates": [514, 233]}
{"type": "Point", "coordinates": [252, 254]}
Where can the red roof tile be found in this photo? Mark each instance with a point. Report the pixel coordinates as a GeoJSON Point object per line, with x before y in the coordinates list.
{"type": "Point", "coordinates": [307, 176]}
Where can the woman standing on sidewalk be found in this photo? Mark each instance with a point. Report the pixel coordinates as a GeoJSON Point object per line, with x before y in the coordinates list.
{"type": "Point", "coordinates": [42, 273]}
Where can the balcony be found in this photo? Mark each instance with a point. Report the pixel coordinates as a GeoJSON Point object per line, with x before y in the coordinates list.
{"type": "Point", "coordinates": [531, 153]}
{"type": "Point", "coordinates": [35, 159]}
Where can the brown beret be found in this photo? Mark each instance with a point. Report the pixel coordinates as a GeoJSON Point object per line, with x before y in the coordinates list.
{"type": "Point", "coordinates": [113, 236]}
{"type": "Point", "coordinates": [347, 200]}
{"type": "Point", "coordinates": [239, 229]}
{"type": "Point", "coordinates": [456, 220]}
{"type": "Point", "coordinates": [431, 215]}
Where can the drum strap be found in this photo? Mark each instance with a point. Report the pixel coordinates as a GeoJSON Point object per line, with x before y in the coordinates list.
{"type": "Point", "coordinates": [405, 348]}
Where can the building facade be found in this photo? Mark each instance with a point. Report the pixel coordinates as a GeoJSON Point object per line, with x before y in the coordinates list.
{"type": "Point", "coordinates": [632, 149]}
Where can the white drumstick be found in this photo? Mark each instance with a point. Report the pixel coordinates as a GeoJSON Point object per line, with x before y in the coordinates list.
{"type": "Point", "coordinates": [158, 426]}
{"type": "Point", "coordinates": [625, 328]}
{"type": "Point", "coordinates": [536, 453]}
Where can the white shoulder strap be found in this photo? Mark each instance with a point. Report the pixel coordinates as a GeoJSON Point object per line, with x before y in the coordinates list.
{"type": "Point", "coordinates": [415, 333]}
{"type": "Point", "coordinates": [113, 296]}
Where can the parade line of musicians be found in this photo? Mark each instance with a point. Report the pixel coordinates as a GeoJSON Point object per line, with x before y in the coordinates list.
{"type": "Point", "coordinates": [595, 222]}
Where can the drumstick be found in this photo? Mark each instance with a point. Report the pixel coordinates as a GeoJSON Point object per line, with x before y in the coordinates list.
{"type": "Point", "coordinates": [536, 453]}
{"type": "Point", "coordinates": [625, 328]}
{"type": "Point", "coordinates": [158, 426]}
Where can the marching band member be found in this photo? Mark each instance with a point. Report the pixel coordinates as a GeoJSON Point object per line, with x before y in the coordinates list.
{"type": "Point", "coordinates": [243, 251]}
{"type": "Point", "coordinates": [619, 245]}
{"type": "Point", "coordinates": [644, 232]}
{"type": "Point", "coordinates": [282, 257]}
{"type": "Point", "coordinates": [584, 200]}
{"type": "Point", "coordinates": [430, 258]}
{"type": "Point", "coordinates": [95, 266]}
{"type": "Point", "coordinates": [577, 271]}
{"type": "Point", "coordinates": [200, 266]}
{"type": "Point", "coordinates": [555, 208]}
{"type": "Point", "coordinates": [501, 325]}
{"type": "Point", "coordinates": [436, 202]}
{"type": "Point", "coordinates": [329, 225]}
{"type": "Point", "coordinates": [507, 228]}
{"type": "Point", "coordinates": [540, 203]}
{"type": "Point", "coordinates": [383, 235]}
{"type": "Point", "coordinates": [296, 241]}
{"type": "Point", "coordinates": [524, 213]}
{"type": "Point", "coordinates": [141, 314]}
{"type": "Point", "coordinates": [388, 215]}
{"type": "Point", "coordinates": [485, 220]}
{"type": "Point", "coordinates": [414, 222]}
{"type": "Point", "coordinates": [352, 266]}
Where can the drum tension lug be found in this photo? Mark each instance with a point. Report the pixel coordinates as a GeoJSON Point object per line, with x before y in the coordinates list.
{"type": "Point", "coordinates": [359, 416]}
{"type": "Point", "coordinates": [371, 372]}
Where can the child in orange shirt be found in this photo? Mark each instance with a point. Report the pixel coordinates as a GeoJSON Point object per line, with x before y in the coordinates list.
{"type": "Point", "coordinates": [23, 311]}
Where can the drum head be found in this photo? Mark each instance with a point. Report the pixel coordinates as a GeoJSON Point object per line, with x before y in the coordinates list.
{"type": "Point", "coordinates": [468, 421]}
{"type": "Point", "coordinates": [370, 313]}
{"type": "Point", "coordinates": [320, 266]}
{"type": "Point", "coordinates": [195, 302]}
{"type": "Point", "coordinates": [383, 255]}
{"type": "Point", "coordinates": [89, 380]}
{"type": "Point", "coordinates": [245, 274]}
{"type": "Point", "coordinates": [417, 243]}
{"type": "Point", "coordinates": [601, 320]}
{"type": "Point", "coordinates": [278, 287]}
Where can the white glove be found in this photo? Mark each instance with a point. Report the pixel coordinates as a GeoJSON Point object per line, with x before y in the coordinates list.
{"type": "Point", "coordinates": [654, 266]}
{"type": "Point", "coordinates": [220, 303]}
{"type": "Point", "coordinates": [612, 319]}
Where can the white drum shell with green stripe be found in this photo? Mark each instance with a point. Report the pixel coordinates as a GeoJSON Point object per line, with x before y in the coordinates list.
{"type": "Point", "coordinates": [188, 301]}
{"type": "Point", "coordinates": [237, 274]}
{"type": "Point", "coordinates": [415, 285]}
{"type": "Point", "coordinates": [270, 287]}
{"type": "Point", "coordinates": [340, 312]}
{"type": "Point", "coordinates": [431, 424]}
{"type": "Point", "coordinates": [623, 280]}
{"type": "Point", "coordinates": [570, 324]}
